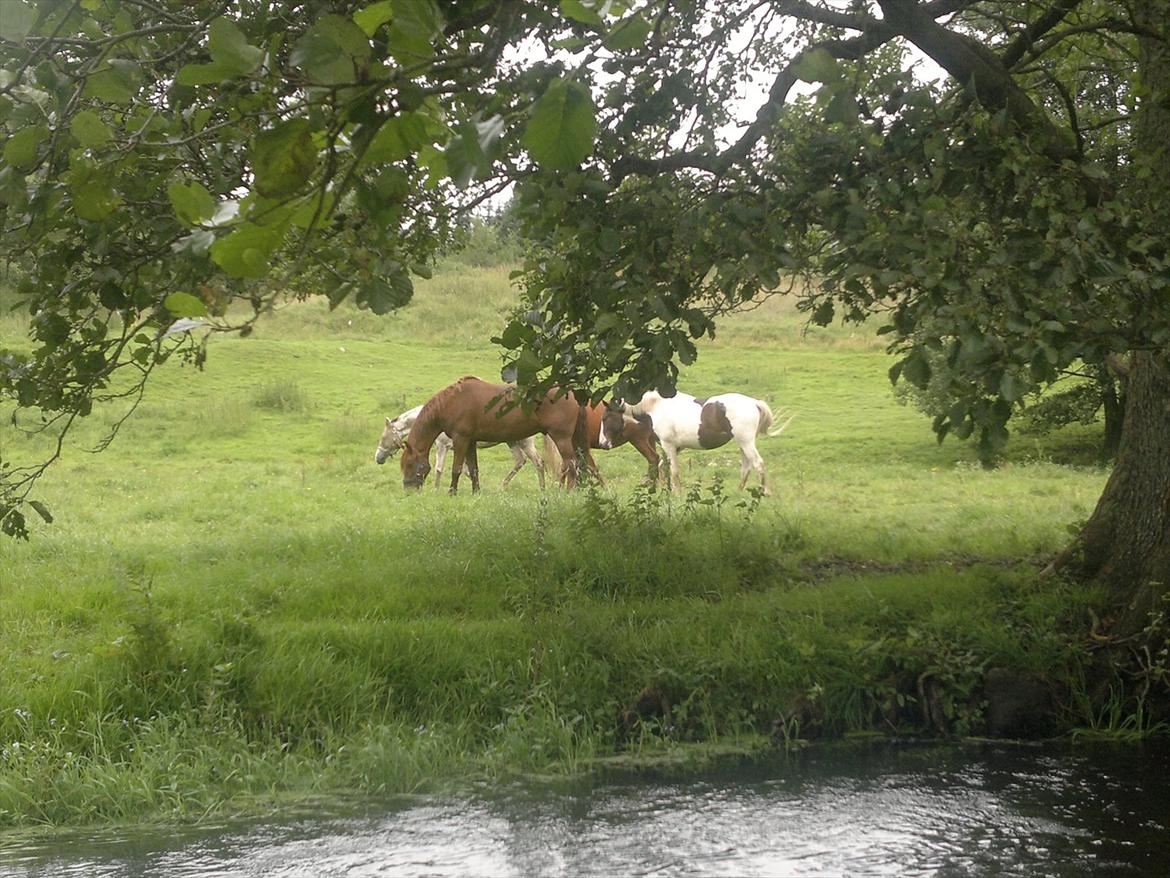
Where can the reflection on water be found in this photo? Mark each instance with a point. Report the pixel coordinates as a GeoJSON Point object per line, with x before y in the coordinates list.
{"type": "Point", "coordinates": [880, 810]}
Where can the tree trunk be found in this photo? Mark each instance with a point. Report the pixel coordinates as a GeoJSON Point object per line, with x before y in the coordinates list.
{"type": "Point", "coordinates": [1113, 400]}
{"type": "Point", "coordinates": [1126, 543]}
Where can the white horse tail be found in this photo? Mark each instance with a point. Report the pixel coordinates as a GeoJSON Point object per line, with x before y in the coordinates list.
{"type": "Point", "coordinates": [552, 457]}
{"type": "Point", "coordinates": [768, 418]}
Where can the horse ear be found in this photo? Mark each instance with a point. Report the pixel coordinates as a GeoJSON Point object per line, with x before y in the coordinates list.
{"type": "Point", "coordinates": [389, 423]}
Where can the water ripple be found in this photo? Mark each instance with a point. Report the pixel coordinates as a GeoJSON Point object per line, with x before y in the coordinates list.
{"type": "Point", "coordinates": [939, 811]}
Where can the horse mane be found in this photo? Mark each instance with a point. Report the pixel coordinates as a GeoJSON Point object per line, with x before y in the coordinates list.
{"type": "Point", "coordinates": [435, 405]}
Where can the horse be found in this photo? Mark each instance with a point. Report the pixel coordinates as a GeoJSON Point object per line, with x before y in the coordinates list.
{"type": "Point", "coordinates": [682, 421]}
{"type": "Point", "coordinates": [472, 410]}
{"type": "Point", "coordinates": [640, 434]}
{"type": "Point", "coordinates": [396, 430]}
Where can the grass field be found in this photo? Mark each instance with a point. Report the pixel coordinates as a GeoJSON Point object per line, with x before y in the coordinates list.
{"type": "Point", "coordinates": [235, 604]}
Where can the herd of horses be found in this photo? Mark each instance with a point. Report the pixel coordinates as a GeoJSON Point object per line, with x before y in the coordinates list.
{"type": "Point", "coordinates": [472, 414]}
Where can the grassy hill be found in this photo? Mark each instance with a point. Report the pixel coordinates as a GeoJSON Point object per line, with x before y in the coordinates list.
{"type": "Point", "coordinates": [236, 604]}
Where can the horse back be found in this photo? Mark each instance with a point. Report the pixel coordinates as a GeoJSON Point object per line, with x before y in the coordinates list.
{"type": "Point", "coordinates": [483, 411]}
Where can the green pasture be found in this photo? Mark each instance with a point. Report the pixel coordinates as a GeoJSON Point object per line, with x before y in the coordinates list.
{"type": "Point", "coordinates": [234, 604]}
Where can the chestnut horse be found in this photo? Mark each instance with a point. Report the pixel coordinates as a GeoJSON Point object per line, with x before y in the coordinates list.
{"type": "Point", "coordinates": [396, 430]}
{"type": "Point", "coordinates": [639, 433]}
{"type": "Point", "coordinates": [472, 410]}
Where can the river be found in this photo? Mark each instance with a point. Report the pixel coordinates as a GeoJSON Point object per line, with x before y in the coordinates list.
{"type": "Point", "coordinates": [889, 809]}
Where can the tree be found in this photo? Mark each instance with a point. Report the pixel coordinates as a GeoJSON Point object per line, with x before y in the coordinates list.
{"type": "Point", "coordinates": [1004, 219]}
{"type": "Point", "coordinates": [1010, 217]}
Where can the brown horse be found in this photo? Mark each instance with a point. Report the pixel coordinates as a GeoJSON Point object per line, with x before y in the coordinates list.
{"type": "Point", "coordinates": [472, 410]}
{"type": "Point", "coordinates": [639, 432]}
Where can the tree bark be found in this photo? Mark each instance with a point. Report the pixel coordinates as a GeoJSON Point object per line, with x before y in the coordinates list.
{"type": "Point", "coordinates": [1125, 545]}
{"type": "Point", "coordinates": [1113, 401]}
{"type": "Point", "coordinates": [1126, 542]}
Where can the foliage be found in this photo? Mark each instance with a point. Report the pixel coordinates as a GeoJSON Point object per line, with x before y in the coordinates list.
{"type": "Point", "coordinates": [1000, 224]}
{"type": "Point", "coordinates": [1071, 399]}
{"type": "Point", "coordinates": [164, 162]}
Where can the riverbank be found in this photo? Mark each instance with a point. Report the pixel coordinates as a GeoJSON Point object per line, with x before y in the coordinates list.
{"type": "Point", "coordinates": [235, 605]}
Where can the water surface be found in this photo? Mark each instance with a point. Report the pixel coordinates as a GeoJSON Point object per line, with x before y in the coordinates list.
{"type": "Point", "coordinates": [878, 810]}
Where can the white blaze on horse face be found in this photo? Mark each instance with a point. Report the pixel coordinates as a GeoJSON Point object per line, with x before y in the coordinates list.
{"type": "Point", "coordinates": [603, 439]}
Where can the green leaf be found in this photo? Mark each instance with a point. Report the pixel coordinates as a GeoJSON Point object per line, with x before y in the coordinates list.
{"type": "Point", "coordinates": [393, 185]}
{"type": "Point", "coordinates": [399, 137]}
{"type": "Point", "coordinates": [313, 213]}
{"type": "Point", "coordinates": [117, 83]}
{"type": "Point", "coordinates": [229, 48]}
{"type": "Point", "coordinates": [629, 33]}
{"type": "Point", "coordinates": [416, 25]}
{"type": "Point", "coordinates": [383, 295]}
{"type": "Point", "coordinates": [374, 16]}
{"type": "Point", "coordinates": [563, 126]}
{"type": "Point", "coordinates": [817, 65]}
{"type": "Point", "coordinates": [21, 149]}
{"type": "Point", "coordinates": [245, 251]}
{"type": "Point", "coordinates": [284, 158]}
{"type": "Point", "coordinates": [578, 11]}
{"type": "Point", "coordinates": [93, 198]}
{"type": "Point", "coordinates": [204, 74]}
{"type": "Point", "coordinates": [843, 107]}
{"type": "Point", "coordinates": [1011, 388]}
{"type": "Point", "coordinates": [328, 51]}
{"type": "Point", "coordinates": [468, 151]}
{"type": "Point", "coordinates": [192, 203]}
{"type": "Point", "coordinates": [16, 19]}
{"type": "Point", "coordinates": [185, 305]}
{"type": "Point", "coordinates": [916, 369]}
{"type": "Point", "coordinates": [42, 510]}
{"type": "Point", "coordinates": [89, 129]}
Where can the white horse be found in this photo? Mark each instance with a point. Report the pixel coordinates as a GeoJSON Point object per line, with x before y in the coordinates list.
{"type": "Point", "coordinates": [397, 430]}
{"type": "Point", "coordinates": [682, 421]}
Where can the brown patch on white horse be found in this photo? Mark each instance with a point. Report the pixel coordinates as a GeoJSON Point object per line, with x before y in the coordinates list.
{"type": "Point", "coordinates": [682, 421]}
{"type": "Point", "coordinates": [714, 427]}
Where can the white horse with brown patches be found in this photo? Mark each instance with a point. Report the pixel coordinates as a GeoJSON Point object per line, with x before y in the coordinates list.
{"type": "Point", "coordinates": [682, 421]}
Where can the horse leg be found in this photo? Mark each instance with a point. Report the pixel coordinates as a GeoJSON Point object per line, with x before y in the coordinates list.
{"type": "Point", "coordinates": [672, 457]}
{"type": "Point", "coordinates": [442, 446]}
{"type": "Point", "coordinates": [517, 462]}
{"type": "Point", "coordinates": [528, 447]}
{"type": "Point", "coordinates": [647, 450]}
{"type": "Point", "coordinates": [591, 465]}
{"type": "Point", "coordinates": [473, 465]}
{"type": "Point", "coordinates": [568, 461]}
{"type": "Point", "coordinates": [461, 445]}
{"type": "Point", "coordinates": [752, 459]}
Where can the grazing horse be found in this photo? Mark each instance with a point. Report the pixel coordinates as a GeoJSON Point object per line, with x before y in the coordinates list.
{"type": "Point", "coordinates": [685, 422]}
{"type": "Point", "coordinates": [472, 410]}
{"type": "Point", "coordinates": [639, 433]}
{"type": "Point", "coordinates": [395, 433]}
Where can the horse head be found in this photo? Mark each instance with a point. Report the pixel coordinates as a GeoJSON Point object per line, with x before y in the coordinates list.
{"type": "Point", "coordinates": [415, 466]}
{"type": "Point", "coordinates": [391, 441]}
{"type": "Point", "coordinates": [612, 423]}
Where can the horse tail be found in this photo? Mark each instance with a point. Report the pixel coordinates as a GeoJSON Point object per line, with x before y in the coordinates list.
{"type": "Point", "coordinates": [768, 418]}
{"type": "Point", "coordinates": [552, 457]}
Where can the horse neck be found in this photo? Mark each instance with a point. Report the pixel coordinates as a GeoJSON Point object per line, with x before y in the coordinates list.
{"type": "Point", "coordinates": [425, 429]}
